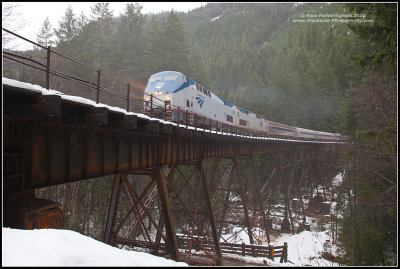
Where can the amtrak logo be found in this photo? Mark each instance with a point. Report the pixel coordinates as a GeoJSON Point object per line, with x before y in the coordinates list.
{"type": "Point", "coordinates": [200, 100]}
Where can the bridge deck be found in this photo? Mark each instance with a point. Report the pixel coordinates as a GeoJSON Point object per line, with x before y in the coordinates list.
{"type": "Point", "coordinates": [61, 138]}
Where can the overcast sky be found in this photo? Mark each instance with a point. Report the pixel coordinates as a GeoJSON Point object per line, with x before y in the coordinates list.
{"type": "Point", "coordinates": [34, 13]}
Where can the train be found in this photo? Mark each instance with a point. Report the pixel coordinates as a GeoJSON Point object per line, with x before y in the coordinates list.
{"type": "Point", "coordinates": [181, 98]}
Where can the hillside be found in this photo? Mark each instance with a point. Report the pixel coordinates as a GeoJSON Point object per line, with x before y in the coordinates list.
{"type": "Point", "coordinates": [256, 56]}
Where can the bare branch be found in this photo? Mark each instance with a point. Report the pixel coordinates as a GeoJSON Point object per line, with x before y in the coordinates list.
{"type": "Point", "coordinates": [11, 20]}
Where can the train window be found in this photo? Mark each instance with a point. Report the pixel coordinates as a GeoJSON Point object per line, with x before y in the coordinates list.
{"type": "Point", "coordinates": [197, 87]}
{"type": "Point", "coordinates": [185, 79]}
{"type": "Point", "coordinates": [191, 103]}
{"type": "Point", "coordinates": [209, 93]}
{"type": "Point", "coordinates": [243, 122]}
{"type": "Point", "coordinates": [187, 103]}
{"type": "Point", "coordinates": [229, 118]}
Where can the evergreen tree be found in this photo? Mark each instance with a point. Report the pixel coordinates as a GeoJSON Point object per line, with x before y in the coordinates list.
{"type": "Point", "coordinates": [81, 22]}
{"type": "Point", "coordinates": [369, 226]}
{"type": "Point", "coordinates": [153, 50]}
{"type": "Point", "coordinates": [381, 33]}
{"type": "Point", "coordinates": [176, 50]}
{"type": "Point", "coordinates": [67, 30]}
{"type": "Point", "coordinates": [82, 43]}
{"type": "Point", "coordinates": [101, 13]}
{"type": "Point", "coordinates": [45, 35]}
{"type": "Point", "coordinates": [101, 36]}
{"type": "Point", "coordinates": [129, 40]}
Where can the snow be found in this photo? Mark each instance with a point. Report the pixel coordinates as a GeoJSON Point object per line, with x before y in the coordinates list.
{"type": "Point", "coordinates": [338, 179]}
{"type": "Point", "coordinates": [51, 247]}
{"type": "Point", "coordinates": [216, 18]}
{"type": "Point", "coordinates": [238, 235]}
{"type": "Point", "coordinates": [305, 248]}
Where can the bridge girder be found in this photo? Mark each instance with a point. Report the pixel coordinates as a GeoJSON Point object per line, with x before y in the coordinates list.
{"type": "Point", "coordinates": [59, 141]}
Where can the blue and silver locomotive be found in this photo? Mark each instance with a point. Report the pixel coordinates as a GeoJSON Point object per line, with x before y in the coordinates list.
{"type": "Point", "coordinates": [180, 96]}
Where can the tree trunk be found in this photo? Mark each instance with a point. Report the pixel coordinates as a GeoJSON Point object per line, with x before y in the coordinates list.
{"type": "Point", "coordinates": [88, 207]}
{"type": "Point", "coordinates": [74, 213]}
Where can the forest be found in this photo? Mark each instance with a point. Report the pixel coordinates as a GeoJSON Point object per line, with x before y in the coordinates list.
{"type": "Point", "coordinates": [335, 77]}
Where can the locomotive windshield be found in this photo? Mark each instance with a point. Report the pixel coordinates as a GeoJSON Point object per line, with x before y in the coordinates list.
{"type": "Point", "coordinates": [153, 79]}
{"type": "Point", "coordinates": [170, 77]}
{"type": "Point", "coordinates": [159, 78]}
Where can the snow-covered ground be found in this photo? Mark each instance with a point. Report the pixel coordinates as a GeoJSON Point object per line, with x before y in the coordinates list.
{"type": "Point", "coordinates": [50, 247]}
{"type": "Point", "coordinates": [304, 249]}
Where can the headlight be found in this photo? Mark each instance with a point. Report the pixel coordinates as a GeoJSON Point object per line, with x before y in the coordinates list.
{"type": "Point", "coordinates": [167, 97]}
{"type": "Point", "coordinates": [147, 98]}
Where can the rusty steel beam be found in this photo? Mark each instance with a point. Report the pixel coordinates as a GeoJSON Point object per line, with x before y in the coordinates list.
{"type": "Point", "coordinates": [170, 175]}
{"type": "Point", "coordinates": [112, 209]}
{"type": "Point", "coordinates": [244, 199]}
{"type": "Point", "coordinates": [257, 192]}
{"type": "Point", "coordinates": [167, 214]}
{"type": "Point", "coordinates": [58, 154]}
{"type": "Point", "coordinates": [138, 200]}
{"type": "Point", "coordinates": [134, 203]}
{"type": "Point", "coordinates": [288, 183]}
{"type": "Point", "coordinates": [226, 199]}
{"type": "Point", "coordinates": [209, 210]}
{"type": "Point", "coordinates": [194, 202]}
{"type": "Point", "coordinates": [186, 203]}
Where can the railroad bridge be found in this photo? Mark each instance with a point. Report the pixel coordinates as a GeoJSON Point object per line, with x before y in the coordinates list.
{"type": "Point", "coordinates": [201, 180]}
